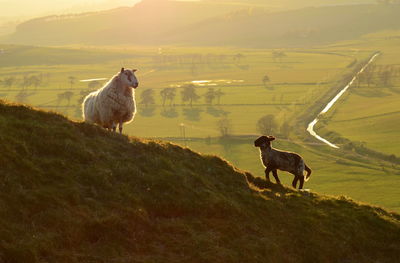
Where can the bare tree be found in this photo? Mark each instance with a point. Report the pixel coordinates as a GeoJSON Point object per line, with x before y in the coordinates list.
{"type": "Point", "coordinates": [286, 129]}
{"type": "Point", "coordinates": [171, 95]}
{"type": "Point", "coordinates": [36, 81]}
{"type": "Point", "coordinates": [218, 94]}
{"type": "Point", "coordinates": [386, 75]}
{"type": "Point", "coordinates": [9, 82]}
{"type": "Point", "coordinates": [189, 94]}
{"type": "Point", "coordinates": [209, 96]}
{"type": "Point", "coordinates": [368, 74]}
{"type": "Point", "coordinates": [224, 126]}
{"type": "Point", "coordinates": [277, 55]}
{"type": "Point", "coordinates": [238, 57]}
{"type": "Point", "coordinates": [147, 97]}
{"type": "Point", "coordinates": [93, 85]}
{"type": "Point", "coordinates": [265, 80]}
{"type": "Point", "coordinates": [267, 124]}
{"type": "Point", "coordinates": [64, 96]}
{"type": "Point", "coordinates": [164, 94]}
{"type": "Point", "coordinates": [26, 82]}
{"type": "Point", "coordinates": [71, 81]}
{"type": "Point", "coordinates": [168, 94]}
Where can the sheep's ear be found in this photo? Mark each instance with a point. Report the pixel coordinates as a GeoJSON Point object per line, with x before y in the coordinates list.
{"type": "Point", "coordinates": [271, 138]}
{"type": "Point", "coordinates": [134, 70]}
{"type": "Point", "coordinates": [122, 70]}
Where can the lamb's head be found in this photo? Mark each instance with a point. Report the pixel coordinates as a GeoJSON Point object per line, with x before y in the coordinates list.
{"type": "Point", "coordinates": [264, 141]}
{"type": "Point", "coordinates": [128, 78]}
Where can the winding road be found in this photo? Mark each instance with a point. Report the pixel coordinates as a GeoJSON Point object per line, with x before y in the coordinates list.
{"type": "Point", "coordinates": [310, 127]}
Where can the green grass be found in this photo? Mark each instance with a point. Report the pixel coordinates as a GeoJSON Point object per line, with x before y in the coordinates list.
{"type": "Point", "coordinates": [72, 192]}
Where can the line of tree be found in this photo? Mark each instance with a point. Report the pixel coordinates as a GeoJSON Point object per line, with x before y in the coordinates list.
{"type": "Point", "coordinates": [25, 82]}
{"type": "Point", "coordinates": [278, 55]}
{"type": "Point", "coordinates": [378, 75]}
{"type": "Point", "coordinates": [67, 95]}
{"type": "Point", "coordinates": [269, 125]}
{"type": "Point", "coordinates": [188, 59]}
{"type": "Point", "coordinates": [188, 93]}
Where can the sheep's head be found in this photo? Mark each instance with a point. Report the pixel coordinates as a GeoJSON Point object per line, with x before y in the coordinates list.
{"type": "Point", "coordinates": [264, 141]}
{"type": "Point", "coordinates": [128, 78]}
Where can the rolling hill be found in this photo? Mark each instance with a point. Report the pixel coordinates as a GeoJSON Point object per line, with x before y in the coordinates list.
{"type": "Point", "coordinates": [158, 22]}
{"type": "Point", "coordinates": [72, 192]}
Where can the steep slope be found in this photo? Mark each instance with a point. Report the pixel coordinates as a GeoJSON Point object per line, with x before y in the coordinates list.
{"type": "Point", "coordinates": [72, 192]}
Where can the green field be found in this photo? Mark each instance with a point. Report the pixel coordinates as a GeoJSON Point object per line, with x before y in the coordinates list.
{"type": "Point", "coordinates": [298, 82]}
{"type": "Point", "coordinates": [295, 82]}
{"type": "Point", "coordinates": [370, 114]}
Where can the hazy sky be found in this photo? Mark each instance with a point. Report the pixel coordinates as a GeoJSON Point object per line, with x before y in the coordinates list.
{"type": "Point", "coordinates": [29, 8]}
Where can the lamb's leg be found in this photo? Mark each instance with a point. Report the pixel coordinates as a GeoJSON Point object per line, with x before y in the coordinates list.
{"type": "Point", "coordinates": [301, 177]}
{"type": "Point", "coordinates": [294, 183]}
{"type": "Point", "coordinates": [267, 171]}
{"type": "Point", "coordinates": [114, 127]}
{"type": "Point", "coordinates": [275, 174]}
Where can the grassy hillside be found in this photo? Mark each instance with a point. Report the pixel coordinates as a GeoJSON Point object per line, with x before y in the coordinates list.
{"type": "Point", "coordinates": [71, 192]}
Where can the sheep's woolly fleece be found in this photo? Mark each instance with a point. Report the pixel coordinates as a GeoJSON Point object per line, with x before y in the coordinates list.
{"type": "Point", "coordinates": [112, 104]}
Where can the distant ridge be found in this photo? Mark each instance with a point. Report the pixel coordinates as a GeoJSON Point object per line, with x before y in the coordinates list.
{"type": "Point", "coordinates": [155, 22]}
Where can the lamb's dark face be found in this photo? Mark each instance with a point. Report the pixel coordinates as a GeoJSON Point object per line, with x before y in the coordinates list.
{"type": "Point", "coordinates": [128, 77]}
{"type": "Point", "coordinates": [264, 141]}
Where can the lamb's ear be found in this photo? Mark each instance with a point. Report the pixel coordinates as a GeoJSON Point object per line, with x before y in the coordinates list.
{"type": "Point", "coordinates": [271, 138]}
{"type": "Point", "coordinates": [134, 70]}
{"type": "Point", "coordinates": [122, 70]}
{"type": "Point", "coordinates": [260, 141]}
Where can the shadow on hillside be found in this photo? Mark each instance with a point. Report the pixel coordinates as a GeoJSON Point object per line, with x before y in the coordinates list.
{"type": "Point", "coordinates": [263, 184]}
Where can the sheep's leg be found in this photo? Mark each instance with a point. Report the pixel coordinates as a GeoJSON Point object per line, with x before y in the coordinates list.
{"type": "Point", "coordinates": [120, 126]}
{"type": "Point", "coordinates": [275, 174]}
{"type": "Point", "coordinates": [114, 127]}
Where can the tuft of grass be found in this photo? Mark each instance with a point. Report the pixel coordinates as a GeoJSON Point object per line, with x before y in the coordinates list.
{"type": "Point", "coordinates": [72, 192]}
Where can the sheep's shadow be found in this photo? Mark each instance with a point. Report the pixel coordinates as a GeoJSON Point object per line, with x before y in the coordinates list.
{"type": "Point", "coordinates": [262, 184]}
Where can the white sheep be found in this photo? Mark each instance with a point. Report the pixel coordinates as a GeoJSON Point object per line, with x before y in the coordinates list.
{"type": "Point", "coordinates": [113, 104]}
